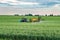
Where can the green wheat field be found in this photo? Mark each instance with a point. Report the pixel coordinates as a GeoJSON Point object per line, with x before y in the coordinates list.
{"type": "Point", "coordinates": [12, 29]}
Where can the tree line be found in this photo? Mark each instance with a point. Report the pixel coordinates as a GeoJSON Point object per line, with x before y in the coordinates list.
{"type": "Point", "coordinates": [35, 15]}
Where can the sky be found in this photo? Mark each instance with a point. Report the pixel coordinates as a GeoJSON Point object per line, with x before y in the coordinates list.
{"type": "Point", "coordinates": [30, 3]}
{"type": "Point", "coordinates": [17, 5]}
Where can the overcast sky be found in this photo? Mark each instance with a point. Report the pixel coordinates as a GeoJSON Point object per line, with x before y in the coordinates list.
{"type": "Point", "coordinates": [29, 6]}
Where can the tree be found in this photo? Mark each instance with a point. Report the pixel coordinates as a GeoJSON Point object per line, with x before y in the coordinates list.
{"type": "Point", "coordinates": [51, 15]}
{"type": "Point", "coordinates": [45, 14]}
{"type": "Point", "coordinates": [28, 15]}
{"type": "Point", "coordinates": [36, 15]}
{"type": "Point", "coordinates": [16, 14]}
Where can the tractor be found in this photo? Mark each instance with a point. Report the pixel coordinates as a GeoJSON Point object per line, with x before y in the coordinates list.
{"type": "Point", "coordinates": [31, 19]}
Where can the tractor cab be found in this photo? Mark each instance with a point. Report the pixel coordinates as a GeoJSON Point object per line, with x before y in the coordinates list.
{"type": "Point", "coordinates": [23, 20]}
